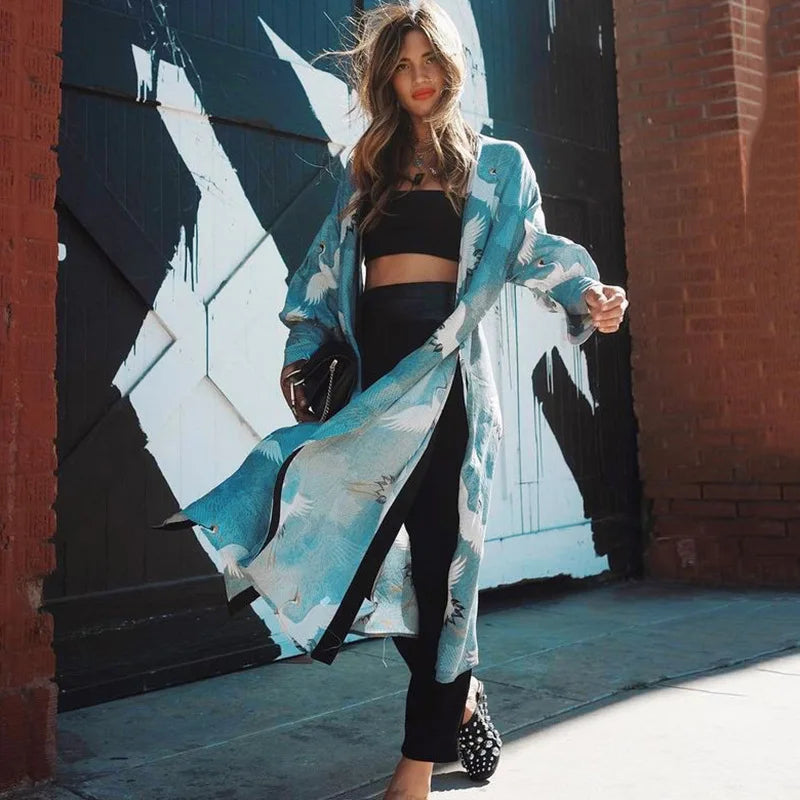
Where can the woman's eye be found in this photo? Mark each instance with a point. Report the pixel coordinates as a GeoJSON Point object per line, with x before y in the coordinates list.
{"type": "Point", "coordinates": [429, 58]}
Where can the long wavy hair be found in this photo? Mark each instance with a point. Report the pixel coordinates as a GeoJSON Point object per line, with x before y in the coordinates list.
{"type": "Point", "coordinates": [386, 145]}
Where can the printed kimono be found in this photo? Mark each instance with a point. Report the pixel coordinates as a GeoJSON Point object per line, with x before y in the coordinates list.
{"type": "Point", "coordinates": [301, 517]}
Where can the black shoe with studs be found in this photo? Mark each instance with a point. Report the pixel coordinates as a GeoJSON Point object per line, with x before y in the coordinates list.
{"type": "Point", "coordinates": [479, 741]}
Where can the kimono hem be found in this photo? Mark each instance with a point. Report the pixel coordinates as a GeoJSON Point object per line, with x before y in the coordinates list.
{"type": "Point", "coordinates": [307, 520]}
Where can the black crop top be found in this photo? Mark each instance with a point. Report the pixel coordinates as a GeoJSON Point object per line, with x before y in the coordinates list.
{"type": "Point", "coordinates": [421, 221]}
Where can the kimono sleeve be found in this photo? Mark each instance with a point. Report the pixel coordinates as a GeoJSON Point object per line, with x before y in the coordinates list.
{"type": "Point", "coordinates": [554, 268]}
{"type": "Point", "coordinates": [311, 308]}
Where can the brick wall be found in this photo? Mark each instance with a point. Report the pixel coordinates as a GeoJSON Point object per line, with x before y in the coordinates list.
{"type": "Point", "coordinates": [709, 105]}
{"type": "Point", "coordinates": [30, 74]}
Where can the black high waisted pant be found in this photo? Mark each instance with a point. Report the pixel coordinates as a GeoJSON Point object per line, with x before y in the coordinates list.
{"type": "Point", "coordinates": [393, 321]}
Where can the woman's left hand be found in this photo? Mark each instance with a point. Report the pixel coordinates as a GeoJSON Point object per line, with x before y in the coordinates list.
{"type": "Point", "coordinates": [607, 305]}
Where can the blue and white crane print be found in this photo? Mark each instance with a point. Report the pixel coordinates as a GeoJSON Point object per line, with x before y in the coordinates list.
{"type": "Point", "coordinates": [332, 483]}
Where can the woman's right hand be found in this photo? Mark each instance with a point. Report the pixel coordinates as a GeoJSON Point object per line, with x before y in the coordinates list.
{"type": "Point", "coordinates": [300, 409]}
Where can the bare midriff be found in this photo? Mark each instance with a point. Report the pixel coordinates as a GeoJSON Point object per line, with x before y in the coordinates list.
{"type": "Point", "coordinates": [410, 267]}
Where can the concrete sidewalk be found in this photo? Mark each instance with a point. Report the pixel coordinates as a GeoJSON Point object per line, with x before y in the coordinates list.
{"type": "Point", "coordinates": [642, 689]}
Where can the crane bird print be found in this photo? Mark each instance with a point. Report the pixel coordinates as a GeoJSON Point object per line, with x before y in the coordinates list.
{"type": "Point", "coordinates": [473, 228]}
{"type": "Point", "coordinates": [324, 281]}
{"type": "Point", "coordinates": [298, 506]}
{"type": "Point", "coordinates": [269, 448]}
{"type": "Point", "coordinates": [318, 618]}
{"type": "Point", "coordinates": [417, 418]}
{"type": "Point", "coordinates": [454, 608]}
{"type": "Point", "coordinates": [486, 191]}
{"type": "Point", "coordinates": [472, 528]}
{"type": "Point", "coordinates": [444, 339]}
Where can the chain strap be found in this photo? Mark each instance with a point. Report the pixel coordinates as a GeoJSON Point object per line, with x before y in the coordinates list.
{"type": "Point", "coordinates": [332, 369]}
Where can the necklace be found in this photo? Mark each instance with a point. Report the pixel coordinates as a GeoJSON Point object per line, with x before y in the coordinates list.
{"type": "Point", "coordinates": [419, 160]}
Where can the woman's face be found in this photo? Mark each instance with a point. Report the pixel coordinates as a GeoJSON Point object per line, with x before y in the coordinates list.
{"type": "Point", "coordinates": [418, 76]}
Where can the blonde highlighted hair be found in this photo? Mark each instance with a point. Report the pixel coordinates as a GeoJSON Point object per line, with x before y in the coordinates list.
{"type": "Point", "coordinates": [386, 145]}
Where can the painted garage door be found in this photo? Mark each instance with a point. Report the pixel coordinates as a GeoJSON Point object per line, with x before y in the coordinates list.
{"type": "Point", "coordinates": [199, 152]}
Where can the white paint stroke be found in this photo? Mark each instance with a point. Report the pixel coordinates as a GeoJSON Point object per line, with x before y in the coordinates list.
{"type": "Point", "coordinates": [194, 421]}
{"type": "Point", "coordinates": [475, 96]}
{"type": "Point", "coordinates": [327, 95]}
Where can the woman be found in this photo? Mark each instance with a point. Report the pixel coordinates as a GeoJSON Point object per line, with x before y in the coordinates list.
{"type": "Point", "coordinates": [412, 164]}
{"type": "Point", "coordinates": [445, 216]}
{"type": "Point", "coordinates": [411, 270]}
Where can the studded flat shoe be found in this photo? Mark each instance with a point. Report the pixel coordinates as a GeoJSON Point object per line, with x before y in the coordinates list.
{"type": "Point", "coordinates": [479, 741]}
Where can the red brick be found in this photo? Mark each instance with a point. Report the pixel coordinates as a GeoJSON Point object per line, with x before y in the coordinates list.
{"type": "Point", "coordinates": [723, 108]}
{"type": "Point", "coordinates": [669, 52]}
{"type": "Point", "coordinates": [708, 127]}
{"type": "Point", "coordinates": [35, 320]}
{"type": "Point", "coordinates": [769, 510]}
{"type": "Point", "coordinates": [720, 12]}
{"type": "Point", "coordinates": [694, 526]}
{"type": "Point", "coordinates": [671, 527]}
{"type": "Point", "coordinates": [728, 552]}
{"type": "Point", "coordinates": [41, 30]}
{"type": "Point", "coordinates": [741, 491]}
{"type": "Point", "coordinates": [42, 755]}
{"type": "Point", "coordinates": [14, 726]}
{"type": "Point", "coordinates": [35, 490]}
{"type": "Point", "coordinates": [702, 63]}
{"type": "Point", "coordinates": [37, 418]}
{"type": "Point", "coordinates": [667, 21]}
{"type": "Point", "coordinates": [704, 508]}
{"type": "Point", "coordinates": [645, 103]}
{"type": "Point", "coordinates": [753, 547]}
{"type": "Point", "coordinates": [35, 454]}
{"type": "Point", "coordinates": [740, 573]}
{"type": "Point", "coordinates": [8, 153]}
{"type": "Point", "coordinates": [39, 258]}
{"type": "Point", "coordinates": [38, 385]}
{"type": "Point", "coordinates": [36, 127]}
{"type": "Point", "coordinates": [788, 465]}
{"type": "Point", "coordinates": [40, 556]}
{"type": "Point", "coordinates": [39, 223]}
{"type": "Point", "coordinates": [661, 559]}
{"type": "Point", "coordinates": [719, 44]}
{"type": "Point", "coordinates": [30, 95]}
{"type": "Point", "coordinates": [679, 5]}
{"type": "Point", "coordinates": [27, 733]}
{"type": "Point", "coordinates": [22, 668]}
{"type": "Point", "coordinates": [743, 527]}
{"type": "Point", "coordinates": [703, 307]}
{"type": "Point", "coordinates": [42, 64]}
{"type": "Point", "coordinates": [779, 571]}
{"type": "Point", "coordinates": [660, 505]}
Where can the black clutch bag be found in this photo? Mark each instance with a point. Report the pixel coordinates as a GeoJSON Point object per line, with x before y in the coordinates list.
{"type": "Point", "coordinates": [328, 378]}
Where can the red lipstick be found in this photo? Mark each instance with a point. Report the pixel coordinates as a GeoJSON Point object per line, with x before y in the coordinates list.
{"type": "Point", "coordinates": [421, 94]}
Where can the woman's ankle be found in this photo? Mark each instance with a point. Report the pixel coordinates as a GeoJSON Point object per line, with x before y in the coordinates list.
{"type": "Point", "coordinates": [416, 763]}
{"type": "Point", "coordinates": [472, 700]}
{"type": "Point", "coordinates": [412, 778]}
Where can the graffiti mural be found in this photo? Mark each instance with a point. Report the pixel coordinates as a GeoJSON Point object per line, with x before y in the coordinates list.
{"type": "Point", "coordinates": [199, 151]}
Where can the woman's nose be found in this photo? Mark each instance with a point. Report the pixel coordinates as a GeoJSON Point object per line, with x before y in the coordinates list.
{"type": "Point", "coordinates": [420, 74]}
